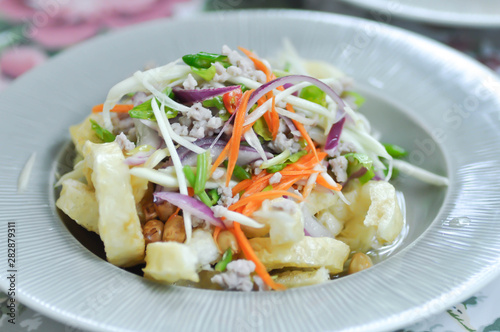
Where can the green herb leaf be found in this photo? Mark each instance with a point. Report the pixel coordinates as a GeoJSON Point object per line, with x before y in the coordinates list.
{"type": "Point", "coordinates": [290, 160]}
{"type": "Point", "coordinates": [314, 94]}
{"type": "Point", "coordinates": [262, 130]}
{"type": "Point", "coordinates": [102, 133]}
{"type": "Point", "coordinates": [145, 111]}
{"type": "Point", "coordinates": [227, 257]}
{"type": "Point", "coordinates": [205, 60]}
{"type": "Point", "coordinates": [207, 74]}
{"type": "Point", "coordinates": [395, 151]}
{"type": "Point", "coordinates": [356, 161]}
{"type": "Point", "coordinates": [239, 172]}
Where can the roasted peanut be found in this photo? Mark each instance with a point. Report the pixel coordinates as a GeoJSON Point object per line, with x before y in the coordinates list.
{"type": "Point", "coordinates": [359, 262]}
{"type": "Point", "coordinates": [174, 230]}
{"type": "Point", "coordinates": [227, 240]}
{"type": "Point", "coordinates": [149, 211]}
{"type": "Point", "coordinates": [164, 210]}
{"type": "Point", "coordinates": [152, 231]}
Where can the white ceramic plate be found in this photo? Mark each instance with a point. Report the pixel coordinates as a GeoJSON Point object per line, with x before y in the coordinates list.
{"type": "Point", "coordinates": [436, 102]}
{"type": "Point", "coordinates": [465, 13]}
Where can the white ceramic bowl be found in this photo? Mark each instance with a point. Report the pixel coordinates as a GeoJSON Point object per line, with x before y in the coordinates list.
{"type": "Point", "coordinates": [457, 13]}
{"type": "Point", "coordinates": [438, 103]}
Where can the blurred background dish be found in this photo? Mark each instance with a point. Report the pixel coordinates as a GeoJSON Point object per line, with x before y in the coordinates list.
{"type": "Point", "coordinates": [454, 13]}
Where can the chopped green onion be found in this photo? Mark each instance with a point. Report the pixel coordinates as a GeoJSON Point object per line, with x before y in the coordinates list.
{"type": "Point", "coordinates": [202, 165]}
{"type": "Point", "coordinates": [314, 94]}
{"type": "Point", "coordinates": [276, 168]}
{"type": "Point", "coordinates": [207, 74]}
{"type": "Point", "coordinates": [395, 151]}
{"type": "Point", "coordinates": [244, 87]}
{"type": "Point", "coordinates": [227, 257]}
{"type": "Point", "coordinates": [356, 162]}
{"type": "Point", "coordinates": [101, 132]}
{"type": "Point", "coordinates": [239, 172]}
{"type": "Point", "coordinates": [296, 156]}
{"type": "Point", "coordinates": [214, 196]}
{"type": "Point", "coordinates": [261, 129]}
{"type": "Point", "coordinates": [224, 115]}
{"type": "Point", "coordinates": [190, 177]}
{"type": "Point", "coordinates": [205, 60]}
{"type": "Point", "coordinates": [214, 102]}
{"type": "Point", "coordinates": [359, 100]}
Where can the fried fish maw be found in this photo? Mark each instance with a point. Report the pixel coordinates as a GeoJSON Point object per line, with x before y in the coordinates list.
{"type": "Point", "coordinates": [119, 225]}
{"type": "Point", "coordinates": [78, 201]}
{"type": "Point", "coordinates": [298, 278]}
{"type": "Point", "coordinates": [169, 262]}
{"type": "Point", "coordinates": [310, 252]}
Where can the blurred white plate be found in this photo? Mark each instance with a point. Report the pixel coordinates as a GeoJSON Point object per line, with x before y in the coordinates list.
{"type": "Point", "coordinates": [464, 13]}
{"type": "Point", "coordinates": [436, 102]}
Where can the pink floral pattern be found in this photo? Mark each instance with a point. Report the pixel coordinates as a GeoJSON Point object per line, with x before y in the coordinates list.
{"type": "Point", "coordinates": [57, 24]}
{"type": "Point", "coordinates": [17, 60]}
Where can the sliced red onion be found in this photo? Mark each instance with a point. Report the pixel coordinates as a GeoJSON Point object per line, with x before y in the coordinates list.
{"type": "Point", "coordinates": [194, 96]}
{"type": "Point", "coordinates": [246, 156]}
{"type": "Point", "coordinates": [312, 227]}
{"type": "Point", "coordinates": [332, 141]}
{"type": "Point", "coordinates": [355, 175]}
{"type": "Point", "coordinates": [138, 158]}
{"type": "Point", "coordinates": [291, 126]}
{"type": "Point", "coordinates": [293, 79]}
{"type": "Point", "coordinates": [191, 205]}
{"type": "Point", "coordinates": [289, 85]}
{"type": "Point", "coordinates": [223, 129]}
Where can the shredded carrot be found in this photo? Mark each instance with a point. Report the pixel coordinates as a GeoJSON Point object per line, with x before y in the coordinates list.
{"type": "Point", "coordinates": [258, 63]}
{"type": "Point", "coordinates": [303, 132]}
{"type": "Point", "coordinates": [250, 208]}
{"type": "Point", "coordinates": [175, 214]}
{"type": "Point", "coordinates": [120, 108]}
{"type": "Point", "coordinates": [303, 172]}
{"type": "Point", "coordinates": [249, 253]}
{"type": "Point", "coordinates": [257, 188]}
{"type": "Point", "coordinates": [216, 236]}
{"type": "Point", "coordinates": [261, 196]}
{"type": "Point", "coordinates": [306, 162]}
{"type": "Point", "coordinates": [257, 183]}
{"type": "Point", "coordinates": [321, 181]}
{"type": "Point", "coordinates": [242, 185]}
{"type": "Point", "coordinates": [286, 183]}
{"type": "Point", "coordinates": [269, 121]}
{"type": "Point", "coordinates": [237, 133]}
{"type": "Point", "coordinates": [220, 159]}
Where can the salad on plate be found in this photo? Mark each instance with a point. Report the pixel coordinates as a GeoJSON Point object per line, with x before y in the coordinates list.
{"type": "Point", "coordinates": [222, 171]}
